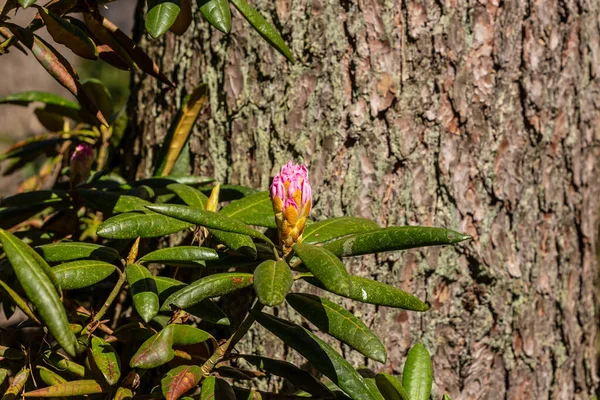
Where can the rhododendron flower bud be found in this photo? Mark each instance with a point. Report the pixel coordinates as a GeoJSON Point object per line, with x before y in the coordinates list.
{"type": "Point", "coordinates": [81, 163]}
{"type": "Point", "coordinates": [292, 201]}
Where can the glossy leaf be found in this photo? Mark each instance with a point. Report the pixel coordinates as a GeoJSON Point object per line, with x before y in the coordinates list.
{"type": "Point", "coordinates": [26, 98]}
{"type": "Point", "coordinates": [339, 323]}
{"type": "Point", "coordinates": [112, 203]}
{"type": "Point", "coordinates": [161, 15]}
{"type": "Point", "coordinates": [134, 225]}
{"type": "Point", "coordinates": [265, 29]}
{"type": "Point", "coordinates": [26, 3]}
{"type": "Point", "coordinates": [393, 238]}
{"type": "Point", "coordinates": [272, 281]}
{"type": "Point", "coordinates": [319, 354]}
{"type": "Point", "coordinates": [217, 13]}
{"type": "Point", "coordinates": [254, 209]}
{"type": "Point", "coordinates": [417, 375]}
{"type": "Point", "coordinates": [207, 287]}
{"type": "Point", "coordinates": [19, 301]}
{"type": "Point", "coordinates": [17, 385]}
{"type": "Point", "coordinates": [185, 335]}
{"type": "Point", "coordinates": [298, 377]}
{"type": "Point", "coordinates": [70, 251]}
{"type": "Point", "coordinates": [180, 254]}
{"type": "Point", "coordinates": [373, 292]}
{"type": "Point", "coordinates": [64, 364]}
{"type": "Point", "coordinates": [39, 289]}
{"type": "Point", "coordinates": [3, 375]}
{"type": "Point", "coordinates": [390, 387]}
{"type": "Point", "coordinates": [207, 219]}
{"type": "Point", "coordinates": [155, 351]}
{"type": "Point", "coordinates": [184, 18]}
{"type": "Point", "coordinates": [335, 228]}
{"type": "Point", "coordinates": [143, 290]}
{"type": "Point", "coordinates": [63, 32]}
{"type": "Point", "coordinates": [326, 267]}
{"type": "Point", "coordinates": [123, 393]}
{"type": "Point", "coordinates": [182, 127]}
{"type": "Point", "coordinates": [83, 273]}
{"type": "Point", "coordinates": [69, 389]}
{"type": "Point", "coordinates": [179, 380]}
{"type": "Point", "coordinates": [35, 197]}
{"type": "Point", "coordinates": [190, 196]}
{"type": "Point", "coordinates": [50, 377]}
{"type": "Point", "coordinates": [370, 382]}
{"type": "Point", "coordinates": [241, 244]}
{"type": "Point", "coordinates": [106, 360]}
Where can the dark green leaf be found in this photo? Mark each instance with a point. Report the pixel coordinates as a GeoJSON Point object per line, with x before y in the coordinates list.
{"type": "Point", "coordinates": [326, 267]}
{"type": "Point", "coordinates": [134, 225]}
{"type": "Point", "coordinates": [393, 238]}
{"type": "Point", "coordinates": [208, 219]}
{"type": "Point", "coordinates": [39, 289]}
{"type": "Point", "coordinates": [190, 196]}
{"type": "Point", "coordinates": [179, 380]}
{"type": "Point", "coordinates": [339, 323]}
{"type": "Point", "coordinates": [70, 251]}
{"type": "Point", "coordinates": [61, 363]}
{"type": "Point", "coordinates": [82, 273]}
{"type": "Point", "coordinates": [10, 354]}
{"type": "Point", "coordinates": [13, 216]}
{"type": "Point", "coordinates": [373, 388]}
{"type": "Point", "coordinates": [33, 148]}
{"type": "Point", "coordinates": [272, 281]}
{"type": "Point", "coordinates": [68, 389]}
{"type": "Point", "coordinates": [335, 228]}
{"type": "Point", "coordinates": [319, 354]}
{"type": "Point", "coordinates": [63, 32]}
{"type": "Point", "coordinates": [143, 290]}
{"type": "Point", "coordinates": [254, 209]}
{"type": "Point", "coordinates": [390, 387]}
{"type": "Point", "coordinates": [265, 29]}
{"type": "Point", "coordinates": [18, 300]}
{"type": "Point", "coordinates": [207, 287]}
{"type": "Point", "coordinates": [25, 98]}
{"type": "Point", "coordinates": [161, 15]}
{"type": "Point", "coordinates": [298, 377]}
{"type": "Point", "coordinates": [180, 254]}
{"type": "Point", "coordinates": [217, 13]}
{"type": "Point", "coordinates": [417, 375]}
{"type": "Point", "coordinates": [106, 360]}
{"type": "Point", "coordinates": [155, 351]}
{"type": "Point", "coordinates": [112, 203]}
{"type": "Point", "coordinates": [241, 244]}
{"type": "Point", "coordinates": [35, 197]}
{"type": "Point", "coordinates": [373, 292]}
{"type": "Point", "coordinates": [100, 94]}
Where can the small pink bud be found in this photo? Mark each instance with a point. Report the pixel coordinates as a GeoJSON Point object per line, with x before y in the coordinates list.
{"type": "Point", "coordinates": [292, 201]}
{"type": "Point", "coordinates": [81, 162]}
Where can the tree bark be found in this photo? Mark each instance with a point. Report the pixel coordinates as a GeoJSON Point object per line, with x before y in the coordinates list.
{"type": "Point", "coordinates": [483, 117]}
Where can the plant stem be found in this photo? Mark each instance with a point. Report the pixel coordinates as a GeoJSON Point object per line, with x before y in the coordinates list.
{"type": "Point", "coordinates": [109, 300]}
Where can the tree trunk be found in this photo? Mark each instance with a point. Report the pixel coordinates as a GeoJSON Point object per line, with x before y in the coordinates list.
{"type": "Point", "coordinates": [483, 117]}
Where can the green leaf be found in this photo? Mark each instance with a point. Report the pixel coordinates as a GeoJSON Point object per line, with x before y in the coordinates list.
{"type": "Point", "coordinates": [26, 98]}
{"type": "Point", "coordinates": [185, 335]}
{"type": "Point", "coordinates": [155, 351]}
{"type": "Point", "coordinates": [65, 33]}
{"type": "Point", "coordinates": [18, 300]}
{"type": "Point", "coordinates": [161, 15]}
{"type": "Point", "coordinates": [100, 94]}
{"type": "Point", "coordinates": [208, 219]}
{"type": "Point", "coordinates": [272, 281]}
{"type": "Point", "coordinates": [17, 385]}
{"type": "Point", "coordinates": [50, 377]}
{"type": "Point", "coordinates": [390, 387]}
{"type": "Point", "coordinates": [70, 251]}
{"type": "Point", "coordinates": [298, 377]}
{"type": "Point", "coordinates": [10, 354]}
{"type": "Point", "coordinates": [143, 290]}
{"type": "Point", "coordinates": [134, 225]}
{"type": "Point", "coordinates": [339, 323]}
{"type": "Point", "coordinates": [373, 388]}
{"type": "Point", "coordinates": [241, 244]}
{"type": "Point", "coordinates": [319, 354]}
{"type": "Point", "coordinates": [82, 273]}
{"type": "Point", "coordinates": [255, 209]}
{"type": "Point", "coordinates": [179, 380]}
{"type": "Point", "coordinates": [216, 389]}
{"type": "Point", "coordinates": [373, 292]}
{"type": "Point", "coordinates": [123, 393]}
{"type": "Point", "coordinates": [34, 198]}
{"type": "Point", "coordinates": [446, 397]}
{"type": "Point", "coordinates": [39, 289]}
{"type": "Point", "coordinates": [335, 228]}
{"type": "Point", "coordinates": [393, 238]}
{"type": "Point", "coordinates": [265, 29]}
{"type": "Point", "coordinates": [180, 254]}
{"type": "Point", "coordinates": [3, 375]}
{"type": "Point", "coordinates": [68, 389]}
{"type": "Point", "coordinates": [26, 3]}
{"type": "Point", "coordinates": [417, 375]}
{"type": "Point", "coordinates": [112, 203]}
{"type": "Point", "coordinates": [326, 267]}
{"type": "Point", "coordinates": [106, 360]}
{"type": "Point", "coordinates": [207, 287]}
{"type": "Point", "coordinates": [12, 216]}
{"type": "Point", "coordinates": [190, 196]}
{"type": "Point", "coordinates": [61, 363]}
{"type": "Point", "coordinates": [217, 13]}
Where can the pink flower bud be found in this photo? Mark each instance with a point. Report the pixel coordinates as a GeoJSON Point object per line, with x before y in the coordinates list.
{"type": "Point", "coordinates": [292, 201]}
{"type": "Point", "coordinates": [81, 163]}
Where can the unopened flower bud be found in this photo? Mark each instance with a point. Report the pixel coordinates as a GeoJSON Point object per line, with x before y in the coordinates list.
{"type": "Point", "coordinates": [292, 200]}
{"type": "Point", "coordinates": [81, 163]}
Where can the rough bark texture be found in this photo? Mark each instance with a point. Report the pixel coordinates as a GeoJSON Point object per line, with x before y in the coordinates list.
{"type": "Point", "coordinates": [477, 116]}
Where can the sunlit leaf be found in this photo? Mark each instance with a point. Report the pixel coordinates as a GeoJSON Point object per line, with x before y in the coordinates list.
{"type": "Point", "coordinates": [161, 15]}
{"type": "Point", "coordinates": [82, 273]}
{"type": "Point", "coordinates": [106, 360]}
{"type": "Point", "coordinates": [143, 290]}
{"type": "Point", "coordinates": [272, 281]}
{"type": "Point", "coordinates": [217, 13]}
{"type": "Point", "coordinates": [179, 380]}
{"type": "Point", "coordinates": [417, 375]}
